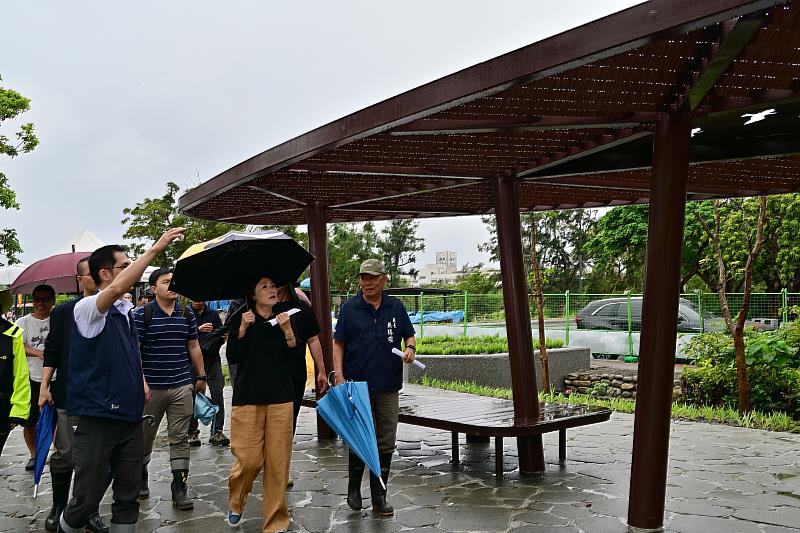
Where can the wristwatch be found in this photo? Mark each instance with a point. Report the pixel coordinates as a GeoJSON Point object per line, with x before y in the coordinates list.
{"type": "Point", "coordinates": [202, 378]}
{"type": "Point", "coordinates": [413, 348]}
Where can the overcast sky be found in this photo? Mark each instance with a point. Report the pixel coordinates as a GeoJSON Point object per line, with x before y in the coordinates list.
{"type": "Point", "coordinates": [126, 96]}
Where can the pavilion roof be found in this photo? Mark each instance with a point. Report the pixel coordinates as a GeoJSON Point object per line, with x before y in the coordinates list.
{"type": "Point", "coordinates": [572, 117]}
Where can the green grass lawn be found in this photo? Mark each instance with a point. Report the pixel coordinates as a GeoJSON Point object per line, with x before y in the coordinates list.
{"type": "Point", "coordinates": [680, 411]}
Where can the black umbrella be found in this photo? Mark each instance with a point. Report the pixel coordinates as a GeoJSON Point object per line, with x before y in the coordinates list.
{"type": "Point", "coordinates": [227, 266]}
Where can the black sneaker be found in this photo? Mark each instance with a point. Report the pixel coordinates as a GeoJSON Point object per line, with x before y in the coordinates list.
{"type": "Point", "coordinates": [219, 439]}
{"type": "Point", "coordinates": [31, 464]}
{"type": "Point", "coordinates": [194, 438]}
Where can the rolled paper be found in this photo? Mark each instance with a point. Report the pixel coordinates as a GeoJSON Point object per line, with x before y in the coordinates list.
{"type": "Point", "coordinates": [416, 363]}
{"type": "Point", "coordinates": [290, 312]}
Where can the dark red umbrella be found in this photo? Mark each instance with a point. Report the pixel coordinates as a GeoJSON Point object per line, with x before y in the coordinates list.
{"type": "Point", "coordinates": [58, 271]}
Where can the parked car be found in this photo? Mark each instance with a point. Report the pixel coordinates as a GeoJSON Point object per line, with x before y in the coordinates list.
{"type": "Point", "coordinates": [611, 314]}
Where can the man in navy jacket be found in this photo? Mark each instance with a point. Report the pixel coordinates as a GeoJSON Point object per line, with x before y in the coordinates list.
{"type": "Point", "coordinates": [370, 325]}
{"type": "Point", "coordinates": [106, 368]}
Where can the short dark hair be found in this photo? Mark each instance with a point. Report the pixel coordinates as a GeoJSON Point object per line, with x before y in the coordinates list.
{"type": "Point", "coordinates": [78, 264]}
{"type": "Point", "coordinates": [45, 288]}
{"type": "Point", "coordinates": [163, 271]}
{"type": "Point", "coordinates": [102, 258]}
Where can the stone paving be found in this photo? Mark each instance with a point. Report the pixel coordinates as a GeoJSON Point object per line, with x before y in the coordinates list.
{"type": "Point", "coordinates": [721, 479]}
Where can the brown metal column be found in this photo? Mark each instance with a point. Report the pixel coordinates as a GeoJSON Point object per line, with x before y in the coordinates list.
{"type": "Point", "coordinates": [518, 321]}
{"type": "Point", "coordinates": [659, 321]}
{"type": "Point", "coordinates": [321, 293]}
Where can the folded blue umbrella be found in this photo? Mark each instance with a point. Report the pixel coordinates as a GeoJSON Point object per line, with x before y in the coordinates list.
{"type": "Point", "coordinates": [45, 429]}
{"type": "Point", "coordinates": [204, 411]}
{"type": "Point", "coordinates": [347, 411]}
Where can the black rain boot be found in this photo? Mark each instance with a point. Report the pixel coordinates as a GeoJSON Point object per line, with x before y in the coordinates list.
{"type": "Point", "coordinates": [61, 482]}
{"type": "Point", "coordinates": [96, 525]}
{"type": "Point", "coordinates": [179, 498]}
{"type": "Point", "coordinates": [355, 470]}
{"type": "Point", "coordinates": [379, 503]}
{"type": "Point", "coordinates": [144, 490]}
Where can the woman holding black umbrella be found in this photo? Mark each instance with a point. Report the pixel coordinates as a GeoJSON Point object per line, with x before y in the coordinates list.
{"type": "Point", "coordinates": [262, 414]}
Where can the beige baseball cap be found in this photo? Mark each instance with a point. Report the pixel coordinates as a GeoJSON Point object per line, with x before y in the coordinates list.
{"type": "Point", "coordinates": [374, 267]}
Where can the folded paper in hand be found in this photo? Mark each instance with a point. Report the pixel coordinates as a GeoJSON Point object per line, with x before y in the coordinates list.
{"type": "Point", "coordinates": [416, 363]}
{"type": "Point", "coordinates": [290, 312]}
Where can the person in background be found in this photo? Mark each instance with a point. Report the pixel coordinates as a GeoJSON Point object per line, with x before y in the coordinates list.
{"type": "Point", "coordinates": [35, 328]}
{"type": "Point", "coordinates": [146, 297]}
{"type": "Point", "coordinates": [371, 324]}
{"type": "Point", "coordinates": [307, 332]}
{"type": "Point", "coordinates": [54, 392]}
{"type": "Point", "coordinates": [263, 398]}
{"type": "Point", "coordinates": [235, 307]}
{"type": "Point", "coordinates": [105, 366]}
{"type": "Point", "coordinates": [128, 296]}
{"type": "Point", "coordinates": [15, 387]}
{"type": "Point", "coordinates": [211, 339]}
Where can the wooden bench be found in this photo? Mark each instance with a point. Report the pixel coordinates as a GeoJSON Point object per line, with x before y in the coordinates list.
{"type": "Point", "coordinates": [458, 412]}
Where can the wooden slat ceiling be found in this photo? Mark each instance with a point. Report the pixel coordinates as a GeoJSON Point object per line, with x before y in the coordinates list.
{"type": "Point", "coordinates": [576, 134]}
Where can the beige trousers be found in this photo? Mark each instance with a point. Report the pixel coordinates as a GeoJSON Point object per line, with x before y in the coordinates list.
{"type": "Point", "coordinates": [178, 405]}
{"type": "Point", "coordinates": [261, 437]}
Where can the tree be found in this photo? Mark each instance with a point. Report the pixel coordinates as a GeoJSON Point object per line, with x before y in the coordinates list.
{"type": "Point", "coordinates": [13, 104]}
{"type": "Point", "coordinates": [151, 217]}
{"type": "Point", "coordinates": [348, 246]}
{"type": "Point", "coordinates": [537, 289]}
{"type": "Point", "coordinates": [398, 244]}
{"type": "Point", "coordinates": [754, 226]}
{"type": "Point", "coordinates": [475, 281]}
{"type": "Point", "coordinates": [778, 266]}
{"type": "Point", "coordinates": [617, 246]}
{"type": "Point", "coordinates": [561, 238]}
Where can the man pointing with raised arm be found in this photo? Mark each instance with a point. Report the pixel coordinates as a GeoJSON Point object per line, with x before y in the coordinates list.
{"type": "Point", "coordinates": [108, 390]}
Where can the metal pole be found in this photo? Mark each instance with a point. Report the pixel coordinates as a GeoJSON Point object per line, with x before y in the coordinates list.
{"type": "Point", "coordinates": [567, 318]}
{"type": "Point", "coordinates": [465, 313]}
{"type": "Point", "coordinates": [518, 321]}
{"type": "Point", "coordinates": [630, 325]}
{"type": "Point", "coordinates": [659, 321]}
{"type": "Point", "coordinates": [702, 312]}
{"type": "Point", "coordinates": [421, 316]}
{"type": "Point", "coordinates": [785, 305]}
{"type": "Point", "coordinates": [321, 293]}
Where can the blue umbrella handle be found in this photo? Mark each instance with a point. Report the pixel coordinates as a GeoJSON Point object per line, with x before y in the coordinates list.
{"type": "Point", "coordinates": [150, 420]}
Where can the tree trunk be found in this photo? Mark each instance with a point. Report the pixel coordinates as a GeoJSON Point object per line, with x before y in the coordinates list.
{"type": "Point", "coordinates": [736, 328]}
{"type": "Point", "coordinates": [741, 371]}
{"type": "Point", "coordinates": [537, 277]}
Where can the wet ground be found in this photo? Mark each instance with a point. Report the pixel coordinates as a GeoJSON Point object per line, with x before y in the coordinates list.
{"type": "Point", "coordinates": [721, 479]}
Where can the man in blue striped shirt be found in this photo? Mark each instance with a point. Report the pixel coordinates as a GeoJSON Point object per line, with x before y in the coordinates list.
{"type": "Point", "coordinates": [169, 345]}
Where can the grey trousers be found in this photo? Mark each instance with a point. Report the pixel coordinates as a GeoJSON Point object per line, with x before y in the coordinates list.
{"type": "Point", "coordinates": [385, 413]}
{"type": "Point", "coordinates": [178, 405]}
{"type": "Point", "coordinates": [61, 462]}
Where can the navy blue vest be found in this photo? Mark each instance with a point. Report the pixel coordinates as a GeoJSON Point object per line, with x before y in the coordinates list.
{"type": "Point", "coordinates": [105, 372]}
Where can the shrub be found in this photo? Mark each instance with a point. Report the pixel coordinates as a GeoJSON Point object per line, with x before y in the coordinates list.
{"type": "Point", "coordinates": [485, 344]}
{"type": "Point", "coordinates": [773, 370]}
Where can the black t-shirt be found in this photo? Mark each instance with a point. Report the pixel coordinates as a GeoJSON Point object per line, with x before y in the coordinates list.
{"type": "Point", "coordinates": [264, 372]}
{"type": "Point", "coordinates": [305, 327]}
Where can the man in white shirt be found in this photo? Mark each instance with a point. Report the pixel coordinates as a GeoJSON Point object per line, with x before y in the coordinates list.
{"type": "Point", "coordinates": [35, 328]}
{"type": "Point", "coordinates": [106, 368]}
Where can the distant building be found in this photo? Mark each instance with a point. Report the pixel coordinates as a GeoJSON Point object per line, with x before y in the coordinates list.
{"type": "Point", "coordinates": [444, 270]}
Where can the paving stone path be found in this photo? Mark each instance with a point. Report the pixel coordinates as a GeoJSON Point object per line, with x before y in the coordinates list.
{"type": "Point", "coordinates": [721, 479]}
